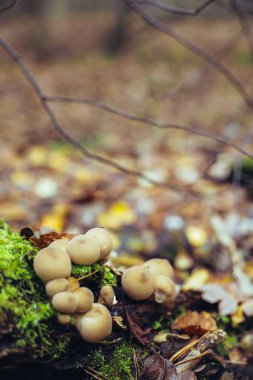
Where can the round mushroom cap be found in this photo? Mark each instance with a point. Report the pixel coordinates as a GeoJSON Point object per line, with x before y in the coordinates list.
{"type": "Point", "coordinates": [138, 282]}
{"type": "Point", "coordinates": [56, 286]}
{"type": "Point", "coordinates": [65, 302]}
{"type": "Point", "coordinates": [103, 238]}
{"type": "Point", "coordinates": [106, 295]}
{"type": "Point", "coordinates": [83, 250]}
{"type": "Point", "coordinates": [51, 263]}
{"type": "Point", "coordinates": [64, 319]}
{"type": "Point", "coordinates": [85, 299]}
{"type": "Point", "coordinates": [165, 290]}
{"type": "Point", "coordinates": [59, 243]}
{"type": "Point", "coordinates": [96, 324]}
{"type": "Point", "coordinates": [159, 266]}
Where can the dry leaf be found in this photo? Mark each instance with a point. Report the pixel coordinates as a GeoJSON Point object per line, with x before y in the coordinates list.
{"type": "Point", "coordinates": [194, 323]}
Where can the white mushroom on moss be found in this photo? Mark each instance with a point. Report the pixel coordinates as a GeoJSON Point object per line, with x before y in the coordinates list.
{"type": "Point", "coordinates": [159, 266]}
{"type": "Point", "coordinates": [103, 238]}
{"type": "Point", "coordinates": [106, 295]}
{"type": "Point", "coordinates": [165, 290]}
{"type": "Point", "coordinates": [95, 325]}
{"type": "Point", "coordinates": [56, 286]}
{"type": "Point", "coordinates": [59, 243]}
{"type": "Point", "coordinates": [52, 263]}
{"type": "Point", "coordinates": [64, 319]}
{"type": "Point", "coordinates": [65, 302]}
{"type": "Point", "coordinates": [85, 299]}
{"type": "Point", "coordinates": [83, 250]}
{"type": "Point", "coordinates": [138, 282]}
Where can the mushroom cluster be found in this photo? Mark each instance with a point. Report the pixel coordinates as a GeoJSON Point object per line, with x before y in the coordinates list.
{"type": "Point", "coordinates": [53, 266]}
{"type": "Point", "coordinates": [152, 280]}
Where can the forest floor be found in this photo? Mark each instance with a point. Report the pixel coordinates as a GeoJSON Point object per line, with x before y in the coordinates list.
{"type": "Point", "coordinates": [201, 220]}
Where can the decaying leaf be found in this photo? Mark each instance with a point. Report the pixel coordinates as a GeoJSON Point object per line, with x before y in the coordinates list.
{"type": "Point", "coordinates": [158, 368]}
{"type": "Point", "coordinates": [194, 323]}
{"type": "Point", "coordinates": [214, 293]}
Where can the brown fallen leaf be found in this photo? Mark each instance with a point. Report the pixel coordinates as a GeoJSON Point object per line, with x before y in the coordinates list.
{"type": "Point", "coordinates": [158, 368]}
{"type": "Point", "coordinates": [194, 323]}
{"type": "Point", "coordinates": [43, 240]}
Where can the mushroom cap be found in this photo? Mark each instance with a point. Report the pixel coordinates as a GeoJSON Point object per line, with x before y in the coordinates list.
{"type": "Point", "coordinates": [85, 299]}
{"type": "Point", "coordinates": [83, 250]}
{"type": "Point", "coordinates": [103, 238]}
{"type": "Point", "coordinates": [159, 266]}
{"type": "Point", "coordinates": [65, 302]}
{"type": "Point", "coordinates": [56, 286]}
{"type": "Point", "coordinates": [59, 243]}
{"type": "Point", "coordinates": [106, 295]}
{"type": "Point", "coordinates": [165, 290]}
{"type": "Point", "coordinates": [51, 263]}
{"type": "Point", "coordinates": [96, 324]}
{"type": "Point", "coordinates": [138, 282]}
{"type": "Point", "coordinates": [64, 319]}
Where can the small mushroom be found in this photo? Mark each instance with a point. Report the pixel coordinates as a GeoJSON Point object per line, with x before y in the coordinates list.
{"type": "Point", "coordinates": [64, 319]}
{"type": "Point", "coordinates": [65, 302]}
{"type": "Point", "coordinates": [51, 263]}
{"type": "Point", "coordinates": [83, 251]}
{"type": "Point", "coordinates": [85, 299]}
{"type": "Point", "coordinates": [165, 290]}
{"type": "Point", "coordinates": [103, 238]}
{"type": "Point", "coordinates": [59, 243]}
{"type": "Point", "coordinates": [159, 266]}
{"type": "Point", "coordinates": [56, 286]}
{"type": "Point", "coordinates": [138, 282]}
{"type": "Point", "coordinates": [96, 324]}
{"type": "Point", "coordinates": [106, 295]}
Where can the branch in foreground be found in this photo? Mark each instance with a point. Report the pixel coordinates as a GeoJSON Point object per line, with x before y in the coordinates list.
{"type": "Point", "coordinates": [9, 6]}
{"type": "Point", "coordinates": [68, 137]}
{"type": "Point", "coordinates": [214, 61]}
{"type": "Point", "coordinates": [147, 121]}
{"type": "Point", "coordinates": [175, 10]}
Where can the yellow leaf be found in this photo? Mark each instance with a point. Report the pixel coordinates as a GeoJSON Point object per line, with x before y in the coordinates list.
{"type": "Point", "coordinates": [198, 278]}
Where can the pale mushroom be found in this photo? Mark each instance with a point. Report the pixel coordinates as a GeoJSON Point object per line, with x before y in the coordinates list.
{"type": "Point", "coordinates": [165, 290]}
{"type": "Point", "coordinates": [56, 286]}
{"type": "Point", "coordinates": [64, 319]}
{"type": "Point", "coordinates": [83, 250]}
{"type": "Point", "coordinates": [96, 324]}
{"type": "Point", "coordinates": [138, 282]}
{"type": "Point", "coordinates": [159, 266]}
{"type": "Point", "coordinates": [106, 295]}
{"type": "Point", "coordinates": [103, 238]}
{"type": "Point", "coordinates": [65, 302]}
{"type": "Point", "coordinates": [52, 263]}
{"type": "Point", "coordinates": [59, 243]}
{"type": "Point", "coordinates": [85, 299]}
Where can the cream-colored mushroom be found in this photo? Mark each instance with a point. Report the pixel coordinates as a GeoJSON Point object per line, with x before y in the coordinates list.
{"type": "Point", "coordinates": [165, 290]}
{"type": "Point", "coordinates": [85, 299]}
{"type": "Point", "coordinates": [64, 319]}
{"type": "Point", "coordinates": [65, 302]}
{"type": "Point", "coordinates": [96, 324]}
{"type": "Point", "coordinates": [56, 286]}
{"type": "Point", "coordinates": [103, 238]}
{"type": "Point", "coordinates": [106, 295]}
{"type": "Point", "coordinates": [159, 266]}
{"type": "Point", "coordinates": [51, 263]}
{"type": "Point", "coordinates": [138, 282]}
{"type": "Point", "coordinates": [83, 250]}
{"type": "Point", "coordinates": [59, 243]}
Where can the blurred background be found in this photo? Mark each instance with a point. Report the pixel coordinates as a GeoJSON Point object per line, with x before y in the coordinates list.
{"type": "Point", "coordinates": [102, 50]}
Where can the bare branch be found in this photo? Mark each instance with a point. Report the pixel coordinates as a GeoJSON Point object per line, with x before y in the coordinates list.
{"type": "Point", "coordinates": [211, 59]}
{"type": "Point", "coordinates": [68, 137]}
{"type": "Point", "coordinates": [147, 121]}
{"type": "Point", "coordinates": [180, 11]}
{"type": "Point", "coordinates": [9, 6]}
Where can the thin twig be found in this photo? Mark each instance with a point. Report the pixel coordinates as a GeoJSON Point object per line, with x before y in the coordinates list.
{"type": "Point", "coordinates": [176, 10]}
{"type": "Point", "coordinates": [9, 6]}
{"type": "Point", "coordinates": [213, 60]}
{"type": "Point", "coordinates": [147, 121]}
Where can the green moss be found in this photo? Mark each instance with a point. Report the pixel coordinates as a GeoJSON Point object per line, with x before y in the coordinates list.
{"type": "Point", "coordinates": [97, 272]}
{"type": "Point", "coordinates": [23, 302]}
{"type": "Point", "coordinates": [119, 366]}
